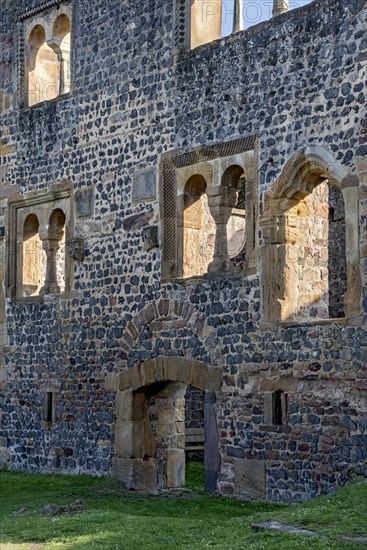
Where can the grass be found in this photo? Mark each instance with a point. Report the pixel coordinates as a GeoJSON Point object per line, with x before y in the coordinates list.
{"type": "Point", "coordinates": [117, 519]}
{"type": "Point", "coordinates": [195, 476]}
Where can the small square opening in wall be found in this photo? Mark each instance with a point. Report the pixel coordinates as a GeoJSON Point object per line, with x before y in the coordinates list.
{"type": "Point", "coordinates": [275, 408]}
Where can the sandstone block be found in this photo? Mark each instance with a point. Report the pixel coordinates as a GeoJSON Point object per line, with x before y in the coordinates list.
{"type": "Point", "coordinates": [175, 468]}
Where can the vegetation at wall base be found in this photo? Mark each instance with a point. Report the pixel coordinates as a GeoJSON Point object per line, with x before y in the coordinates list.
{"type": "Point", "coordinates": [115, 518]}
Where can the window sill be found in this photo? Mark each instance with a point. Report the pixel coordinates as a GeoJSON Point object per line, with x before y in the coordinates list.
{"type": "Point", "coordinates": [67, 295]}
{"type": "Point", "coordinates": [41, 104]}
{"type": "Point", "coordinates": [316, 322]}
{"type": "Point", "coordinates": [48, 425]}
{"type": "Point", "coordinates": [200, 279]}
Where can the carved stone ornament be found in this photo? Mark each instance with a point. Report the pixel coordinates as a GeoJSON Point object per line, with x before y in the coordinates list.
{"type": "Point", "coordinates": [76, 249]}
{"type": "Point", "coordinates": [150, 237]}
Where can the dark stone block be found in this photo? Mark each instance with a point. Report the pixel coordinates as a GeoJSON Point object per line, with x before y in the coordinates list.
{"type": "Point", "coordinates": [235, 452]}
{"type": "Point", "coordinates": [138, 221]}
{"type": "Point", "coordinates": [84, 202]}
{"type": "Point", "coordinates": [144, 186]}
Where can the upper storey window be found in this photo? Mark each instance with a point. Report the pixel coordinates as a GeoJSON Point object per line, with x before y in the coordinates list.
{"type": "Point", "coordinates": [47, 55]}
{"type": "Point", "coordinates": [205, 22]}
{"type": "Point", "coordinates": [213, 19]}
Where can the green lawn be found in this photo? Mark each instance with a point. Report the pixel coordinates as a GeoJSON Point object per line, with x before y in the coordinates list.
{"type": "Point", "coordinates": [118, 519]}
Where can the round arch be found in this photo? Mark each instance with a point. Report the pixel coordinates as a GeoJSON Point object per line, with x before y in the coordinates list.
{"type": "Point", "coordinates": [305, 170]}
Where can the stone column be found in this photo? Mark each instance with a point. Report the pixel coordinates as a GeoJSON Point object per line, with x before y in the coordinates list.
{"type": "Point", "coordinates": [63, 58]}
{"type": "Point", "coordinates": [221, 215]}
{"type": "Point", "coordinates": [237, 16]}
{"type": "Point", "coordinates": [279, 258]}
{"type": "Point", "coordinates": [64, 72]}
{"type": "Point", "coordinates": [51, 246]}
{"type": "Point", "coordinates": [280, 6]}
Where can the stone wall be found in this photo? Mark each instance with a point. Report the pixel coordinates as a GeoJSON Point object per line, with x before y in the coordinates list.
{"type": "Point", "coordinates": [194, 408]}
{"type": "Point", "coordinates": [293, 82]}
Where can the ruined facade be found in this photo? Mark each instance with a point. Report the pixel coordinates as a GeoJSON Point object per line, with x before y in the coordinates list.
{"type": "Point", "coordinates": [180, 210]}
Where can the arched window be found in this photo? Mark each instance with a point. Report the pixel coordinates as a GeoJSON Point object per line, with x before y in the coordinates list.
{"type": "Point", "coordinates": [61, 45]}
{"type": "Point", "coordinates": [54, 246]}
{"type": "Point", "coordinates": [213, 202]}
{"type": "Point", "coordinates": [42, 68]}
{"type": "Point", "coordinates": [308, 272]}
{"type": "Point", "coordinates": [234, 186]}
{"type": "Point", "coordinates": [47, 59]}
{"type": "Point", "coordinates": [34, 258]}
{"type": "Point", "coordinates": [199, 228]}
{"type": "Point", "coordinates": [39, 230]}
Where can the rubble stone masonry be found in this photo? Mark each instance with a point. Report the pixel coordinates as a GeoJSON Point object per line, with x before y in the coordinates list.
{"type": "Point", "coordinates": [138, 97]}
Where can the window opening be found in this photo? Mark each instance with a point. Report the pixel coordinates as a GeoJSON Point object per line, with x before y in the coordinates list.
{"type": "Point", "coordinates": [279, 408]}
{"type": "Point", "coordinates": [47, 59]}
{"type": "Point", "coordinates": [210, 20]}
{"type": "Point", "coordinates": [34, 258]}
{"type": "Point", "coordinates": [42, 68]}
{"type": "Point", "coordinates": [199, 228]}
{"type": "Point", "coordinates": [275, 408]}
{"type": "Point", "coordinates": [49, 403]}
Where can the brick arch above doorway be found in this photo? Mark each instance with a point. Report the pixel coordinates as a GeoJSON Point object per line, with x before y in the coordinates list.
{"type": "Point", "coordinates": [164, 314]}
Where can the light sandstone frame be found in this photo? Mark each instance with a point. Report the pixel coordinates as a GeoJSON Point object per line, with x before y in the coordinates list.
{"type": "Point", "coordinates": [199, 22]}
{"type": "Point", "coordinates": [47, 35]}
{"type": "Point", "coordinates": [300, 175]}
{"type": "Point", "coordinates": [212, 163]}
{"type": "Point", "coordinates": [203, 22]}
{"type": "Point", "coordinates": [135, 460]}
{"type": "Point", "coordinates": [42, 204]}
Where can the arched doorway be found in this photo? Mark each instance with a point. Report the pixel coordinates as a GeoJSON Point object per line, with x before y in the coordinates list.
{"type": "Point", "coordinates": [150, 426]}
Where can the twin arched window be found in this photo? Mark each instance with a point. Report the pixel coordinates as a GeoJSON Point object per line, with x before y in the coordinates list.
{"type": "Point", "coordinates": [48, 58]}
{"type": "Point", "coordinates": [43, 255]}
{"type": "Point", "coordinates": [214, 225]}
